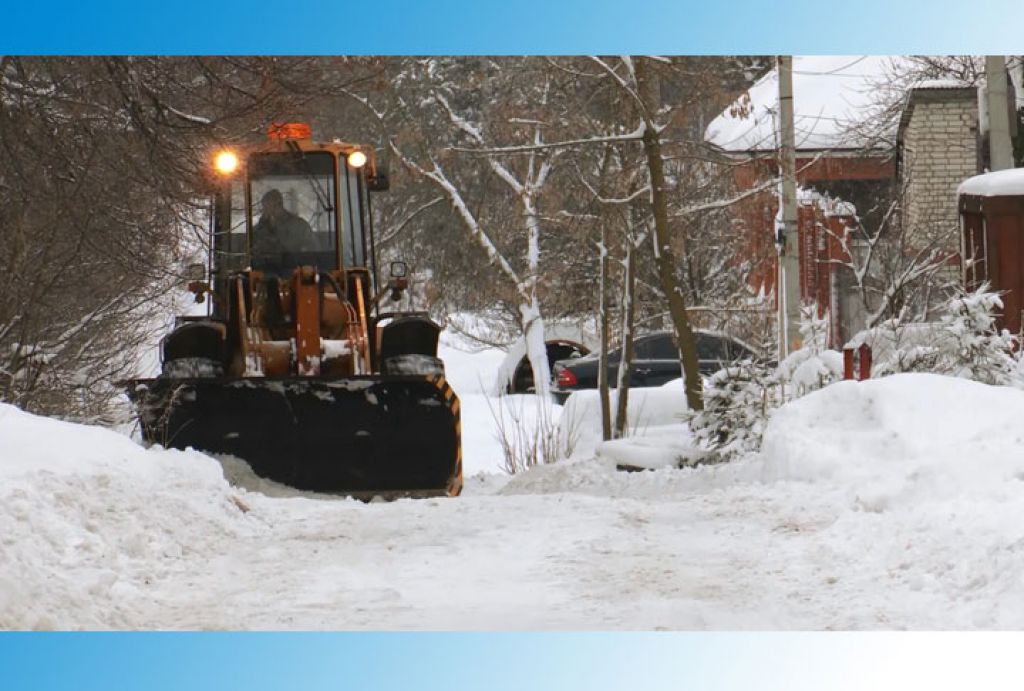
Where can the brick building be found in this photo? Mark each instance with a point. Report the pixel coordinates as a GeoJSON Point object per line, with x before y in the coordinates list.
{"type": "Point", "coordinates": [842, 176]}
{"type": "Point", "coordinates": [938, 147]}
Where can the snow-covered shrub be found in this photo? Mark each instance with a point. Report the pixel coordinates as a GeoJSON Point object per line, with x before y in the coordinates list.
{"type": "Point", "coordinates": [972, 346]}
{"type": "Point", "coordinates": [1017, 374]}
{"type": "Point", "coordinates": [898, 347]}
{"type": "Point", "coordinates": [739, 399]}
{"type": "Point", "coordinates": [526, 430]}
{"type": "Point", "coordinates": [964, 343]}
{"type": "Point", "coordinates": [813, 365]}
{"type": "Point", "coordinates": [737, 402]}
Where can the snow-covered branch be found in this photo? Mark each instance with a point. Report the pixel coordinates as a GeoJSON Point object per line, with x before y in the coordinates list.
{"type": "Point", "coordinates": [729, 201]}
{"type": "Point", "coordinates": [633, 196]}
{"type": "Point", "coordinates": [400, 226]}
{"type": "Point", "coordinates": [461, 123]}
{"type": "Point", "coordinates": [634, 136]}
{"type": "Point", "coordinates": [437, 176]}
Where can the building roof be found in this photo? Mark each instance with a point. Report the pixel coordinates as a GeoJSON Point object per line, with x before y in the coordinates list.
{"type": "Point", "coordinates": [829, 94]}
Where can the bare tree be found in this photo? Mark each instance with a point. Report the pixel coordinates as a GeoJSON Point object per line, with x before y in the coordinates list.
{"type": "Point", "coordinates": [896, 274]}
{"type": "Point", "coordinates": [101, 177]}
{"type": "Point", "coordinates": [514, 145]}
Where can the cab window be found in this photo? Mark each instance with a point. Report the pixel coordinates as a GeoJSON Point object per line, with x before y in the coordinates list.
{"type": "Point", "coordinates": [293, 202]}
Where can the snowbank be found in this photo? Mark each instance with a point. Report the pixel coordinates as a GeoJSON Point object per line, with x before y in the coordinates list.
{"type": "Point", "coordinates": [471, 374]}
{"type": "Point", "coordinates": [657, 434]}
{"type": "Point", "coordinates": [88, 519]}
{"type": "Point", "coordinates": [901, 440]}
{"type": "Point", "coordinates": [486, 420]}
{"type": "Point", "coordinates": [469, 369]}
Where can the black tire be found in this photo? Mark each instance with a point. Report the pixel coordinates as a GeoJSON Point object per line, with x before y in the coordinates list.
{"type": "Point", "coordinates": [192, 368]}
{"type": "Point", "coordinates": [412, 364]}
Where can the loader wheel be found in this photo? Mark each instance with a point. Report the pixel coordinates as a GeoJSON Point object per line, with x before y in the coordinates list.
{"type": "Point", "coordinates": [192, 368]}
{"type": "Point", "coordinates": [412, 364]}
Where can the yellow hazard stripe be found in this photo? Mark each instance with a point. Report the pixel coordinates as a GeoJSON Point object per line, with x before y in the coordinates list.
{"type": "Point", "coordinates": [438, 380]}
{"type": "Point", "coordinates": [458, 447]}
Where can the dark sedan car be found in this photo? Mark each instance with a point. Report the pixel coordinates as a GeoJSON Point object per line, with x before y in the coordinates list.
{"type": "Point", "coordinates": [655, 362]}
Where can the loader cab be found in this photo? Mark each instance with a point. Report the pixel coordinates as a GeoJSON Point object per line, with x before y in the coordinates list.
{"type": "Point", "coordinates": [317, 214]}
{"type": "Point", "coordinates": [293, 203]}
{"type": "Point", "coordinates": [319, 191]}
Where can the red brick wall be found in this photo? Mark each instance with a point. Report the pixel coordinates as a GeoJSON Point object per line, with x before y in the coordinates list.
{"type": "Point", "coordinates": [819, 234]}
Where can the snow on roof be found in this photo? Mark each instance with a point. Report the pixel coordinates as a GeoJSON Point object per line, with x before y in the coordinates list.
{"type": "Point", "coordinates": [840, 209]}
{"type": "Point", "coordinates": [1002, 183]}
{"type": "Point", "coordinates": [829, 92]}
{"type": "Point", "coordinates": [942, 84]}
{"type": "Point", "coordinates": [827, 205]}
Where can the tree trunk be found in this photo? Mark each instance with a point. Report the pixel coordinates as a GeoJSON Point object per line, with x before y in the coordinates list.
{"type": "Point", "coordinates": [533, 323]}
{"type": "Point", "coordinates": [603, 320]}
{"type": "Point", "coordinates": [536, 350]}
{"type": "Point", "coordinates": [626, 363]}
{"type": "Point", "coordinates": [664, 256]}
{"type": "Point", "coordinates": [602, 365]}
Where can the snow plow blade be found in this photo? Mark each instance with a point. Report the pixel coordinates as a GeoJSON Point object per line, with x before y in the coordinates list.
{"type": "Point", "coordinates": [362, 436]}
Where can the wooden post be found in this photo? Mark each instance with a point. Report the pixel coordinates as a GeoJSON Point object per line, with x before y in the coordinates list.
{"type": "Point", "coordinates": [847, 363]}
{"type": "Point", "coordinates": [865, 361]}
{"type": "Point", "coordinates": [789, 260]}
{"type": "Point", "coordinates": [999, 143]}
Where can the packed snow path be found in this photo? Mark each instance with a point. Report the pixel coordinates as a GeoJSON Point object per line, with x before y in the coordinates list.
{"type": "Point", "coordinates": [888, 504]}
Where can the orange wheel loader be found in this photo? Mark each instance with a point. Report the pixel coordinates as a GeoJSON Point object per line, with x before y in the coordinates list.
{"type": "Point", "coordinates": [296, 369]}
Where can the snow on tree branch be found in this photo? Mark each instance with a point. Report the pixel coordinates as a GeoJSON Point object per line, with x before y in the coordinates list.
{"type": "Point", "coordinates": [634, 136]}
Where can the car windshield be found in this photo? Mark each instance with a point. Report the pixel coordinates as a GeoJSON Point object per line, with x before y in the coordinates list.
{"type": "Point", "coordinates": [711, 348]}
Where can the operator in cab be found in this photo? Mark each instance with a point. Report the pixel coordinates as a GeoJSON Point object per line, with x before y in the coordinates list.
{"type": "Point", "coordinates": [279, 231]}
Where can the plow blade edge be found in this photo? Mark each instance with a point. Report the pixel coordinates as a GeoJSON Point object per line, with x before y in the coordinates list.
{"type": "Point", "coordinates": [355, 435]}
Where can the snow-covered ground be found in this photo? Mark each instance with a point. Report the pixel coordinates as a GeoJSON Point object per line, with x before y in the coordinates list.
{"type": "Point", "coordinates": [885, 504]}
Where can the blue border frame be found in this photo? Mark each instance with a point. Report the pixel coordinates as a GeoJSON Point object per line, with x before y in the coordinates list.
{"type": "Point", "coordinates": [489, 27]}
{"type": "Point", "coordinates": [500, 661]}
{"type": "Point", "coordinates": [510, 661]}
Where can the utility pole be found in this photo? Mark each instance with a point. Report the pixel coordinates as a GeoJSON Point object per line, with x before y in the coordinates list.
{"type": "Point", "coordinates": [787, 237]}
{"type": "Point", "coordinates": [999, 146]}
